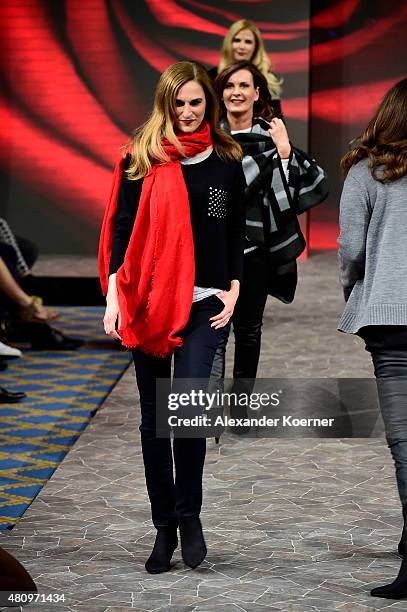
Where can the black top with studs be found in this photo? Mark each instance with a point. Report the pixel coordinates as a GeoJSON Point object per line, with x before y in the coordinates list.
{"type": "Point", "coordinates": [216, 192]}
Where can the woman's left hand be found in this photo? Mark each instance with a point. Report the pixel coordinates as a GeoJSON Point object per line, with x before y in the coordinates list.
{"type": "Point", "coordinates": [229, 298]}
{"type": "Point", "coordinates": [279, 134]}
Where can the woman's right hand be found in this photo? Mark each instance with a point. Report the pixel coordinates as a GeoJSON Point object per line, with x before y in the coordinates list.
{"type": "Point", "coordinates": [112, 312]}
{"type": "Point", "coordinates": [279, 134]}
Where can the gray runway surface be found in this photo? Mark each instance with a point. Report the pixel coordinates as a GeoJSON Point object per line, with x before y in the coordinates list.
{"type": "Point", "coordinates": [304, 524]}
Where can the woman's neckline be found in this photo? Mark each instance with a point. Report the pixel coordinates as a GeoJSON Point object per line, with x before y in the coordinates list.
{"type": "Point", "coordinates": [242, 131]}
{"type": "Point", "coordinates": [190, 161]}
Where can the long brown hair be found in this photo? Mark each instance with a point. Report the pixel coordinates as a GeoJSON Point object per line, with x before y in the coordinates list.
{"type": "Point", "coordinates": [259, 58]}
{"type": "Point", "coordinates": [384, 141]}
{"type": "Point", "coordinates": [145, 147]}
{"type": "Point", "coordinates": [262, 107]}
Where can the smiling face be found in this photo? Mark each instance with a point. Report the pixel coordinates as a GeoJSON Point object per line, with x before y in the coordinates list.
{"type": "Point", "coordinates": [240, 94]}
{"type": "Point", "coordinates": [243, 45]}
{"type": "Point", "coordinates": [190, 106]}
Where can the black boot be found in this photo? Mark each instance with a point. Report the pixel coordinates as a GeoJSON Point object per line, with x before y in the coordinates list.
{"type": "Point", "coordinates": [193, 545]}
{"type": "Point", "coordinates": [396, 589]}
{"type": "Point", "coordinates": [42, 337]}
{"type": "Point", "coordinates": [239, 413]}
{"type": "Point", "coordinates": [243, 388]}
{"type": "Point", "coordinates": [13, 576]}
{"type": "Point", "coordinates": [52, 339]}
{"type": "Point", "coordinates": [217, 379]}
{"type": "Point", "coordinates": [166, 542]}
{"type": "Point", "coordinates": [402, 546]}
{"type": "Point", "coordinates": [392, 398]}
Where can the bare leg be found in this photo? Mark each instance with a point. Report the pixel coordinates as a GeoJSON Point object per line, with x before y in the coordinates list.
{"type": "Point", "coordinates": [11, 289]}
{"type": "Point", "coordinates": [15, 293]}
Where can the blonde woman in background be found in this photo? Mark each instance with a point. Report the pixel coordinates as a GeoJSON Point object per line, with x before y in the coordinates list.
{"type": "Point", "coordinates": [244, 42]}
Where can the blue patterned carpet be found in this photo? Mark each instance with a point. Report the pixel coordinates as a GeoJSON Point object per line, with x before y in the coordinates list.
{"type": "Point", "coordinates": [64, 389]}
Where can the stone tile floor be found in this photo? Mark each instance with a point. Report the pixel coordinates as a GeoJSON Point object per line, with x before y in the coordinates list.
{"type": "Point", "coordinates": [292, 525]}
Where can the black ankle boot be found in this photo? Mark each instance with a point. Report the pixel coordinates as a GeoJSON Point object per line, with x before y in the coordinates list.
{"type": "Point", "coordinates": [193, 545]}
{"type": "Point", "coordinates": [239, 413]}
{"type": "Point", "coordinates": [166, 542]}
{"type": "Point", "coordinates": [402, 546]}
{"type": "Point", "coordinates": [396, 589]}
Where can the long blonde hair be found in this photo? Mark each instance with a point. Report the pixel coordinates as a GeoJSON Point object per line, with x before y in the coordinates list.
{"type": "Point", "coordinates": [260, 58]}
{"type": "Point", "coordinates": [384, 141]}
{"type": "Point", "coordinates": [145, 147]}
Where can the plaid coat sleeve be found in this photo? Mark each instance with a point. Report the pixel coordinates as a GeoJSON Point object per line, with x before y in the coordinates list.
{"type": "Point", "coordinates": [308, 182]}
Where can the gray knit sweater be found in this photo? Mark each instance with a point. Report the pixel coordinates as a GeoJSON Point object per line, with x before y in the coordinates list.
{"type": "Point", "coordinates": [373, 250]}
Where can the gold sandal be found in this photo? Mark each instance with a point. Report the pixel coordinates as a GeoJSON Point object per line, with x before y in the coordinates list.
{"type": "Point", "coordinates": [30, 314]}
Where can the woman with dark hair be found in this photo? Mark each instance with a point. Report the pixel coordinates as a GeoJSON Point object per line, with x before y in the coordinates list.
{"type": "Point", "coordinates": [281, 182]}
{"type": "Point", "coordinates": [373, 272]}
{"type": "Point", "coordinates": [171, 258]}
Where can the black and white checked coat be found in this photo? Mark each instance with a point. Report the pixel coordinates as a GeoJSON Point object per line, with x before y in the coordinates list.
{"type": "Point", "coordinates": [272, 203]}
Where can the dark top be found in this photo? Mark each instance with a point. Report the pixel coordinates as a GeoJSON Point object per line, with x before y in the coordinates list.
{"type": "Point", "coordinates": [382, 337]}
{"type": "Point", "coordinates": [216, 190]}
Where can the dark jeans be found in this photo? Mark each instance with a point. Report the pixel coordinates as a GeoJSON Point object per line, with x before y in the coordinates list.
{"type": "Point", "coordinates": [181, 497]}
{"type": "Point", "coordinates": [390, 365]}
{"type": "Point", "coordinates": [247, 323]}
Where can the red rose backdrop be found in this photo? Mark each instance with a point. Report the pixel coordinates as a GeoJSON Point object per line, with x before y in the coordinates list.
{"type": "Point", "coordinates": [358, 51]}
{"type": "Point", "coordinates": [80, 75]}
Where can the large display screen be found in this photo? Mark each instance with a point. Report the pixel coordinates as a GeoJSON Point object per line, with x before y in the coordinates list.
{"type": "Point", "coordinates": [80, 75]}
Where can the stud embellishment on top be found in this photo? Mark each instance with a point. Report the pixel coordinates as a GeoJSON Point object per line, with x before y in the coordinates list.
{"type": "Point", "coordinates": [217, 203]}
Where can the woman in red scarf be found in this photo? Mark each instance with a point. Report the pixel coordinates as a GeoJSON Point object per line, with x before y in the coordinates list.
{"type": "Point", "coordinates": [171, 258]}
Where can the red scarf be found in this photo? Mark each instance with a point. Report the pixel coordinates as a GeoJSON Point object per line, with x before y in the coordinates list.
{"type": "Point", "coordinates": [156, 280]}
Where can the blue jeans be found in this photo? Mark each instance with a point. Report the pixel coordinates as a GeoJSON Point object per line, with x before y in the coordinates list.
{"type": "Point", "coordinates": [181, 497]}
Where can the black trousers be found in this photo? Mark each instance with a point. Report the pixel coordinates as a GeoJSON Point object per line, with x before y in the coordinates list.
{"type": "Point", "coordinates": [388, 348]}
{"type": "Point", "coordinates": [247, 323]}
{"type": "Point", "coordinates": [180, 497]}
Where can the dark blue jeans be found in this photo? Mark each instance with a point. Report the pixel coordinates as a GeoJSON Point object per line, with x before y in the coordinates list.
{"type": "Point", "coordinates": [180, 497]}
{"type": "Point", "coordinates": [390, 365]}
